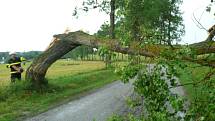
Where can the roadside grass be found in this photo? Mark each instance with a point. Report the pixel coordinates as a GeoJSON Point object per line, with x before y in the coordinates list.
{"type": "Point", "coordinates": [67, 81]}
{"type": "Point", "coordinates": [17, 103]}
{"type": "Point", "coordinates": [194, 73]}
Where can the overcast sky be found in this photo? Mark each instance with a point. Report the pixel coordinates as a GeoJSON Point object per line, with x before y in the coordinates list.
{"type": "Point", "coordinates": [27, 25]}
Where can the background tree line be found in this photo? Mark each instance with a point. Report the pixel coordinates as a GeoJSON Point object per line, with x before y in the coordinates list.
{"type": "Point", "coordinates": [80, 53]}
{"type": "Point", "coordinates": [28, 55]}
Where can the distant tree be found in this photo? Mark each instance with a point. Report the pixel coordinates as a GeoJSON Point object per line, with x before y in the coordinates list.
{"type": "Point", "coordinates": [103, 32]}
{"type": "Point", "coordinates": [151, 20]}
{"type": "Point", "coordinates": [4, 55]}
{"type": "Point", "coordinates": [81, 52]}
{"type": "Point", "coordinates": [30, 55]}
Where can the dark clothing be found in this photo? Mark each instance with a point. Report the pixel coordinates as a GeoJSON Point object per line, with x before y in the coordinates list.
{"type": "Point", "coordinates": [14, 62]}
{"type": "Point", "coordinates": [15, 75]}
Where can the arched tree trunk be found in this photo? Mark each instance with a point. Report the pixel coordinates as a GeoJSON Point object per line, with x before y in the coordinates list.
{"type": "Point", "coordinates": [63, 43]}
{"type": "Point", "coordinates": [37, 70]}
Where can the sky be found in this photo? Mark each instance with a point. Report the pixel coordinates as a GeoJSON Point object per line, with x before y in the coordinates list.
{"type": "Point", "coordinates": [196, 8]}
{"type": "Point", "coordinates": [27, 25]}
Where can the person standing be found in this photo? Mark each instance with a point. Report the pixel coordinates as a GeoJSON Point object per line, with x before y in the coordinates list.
{"type": "Point", "coordinates": [14, 63]}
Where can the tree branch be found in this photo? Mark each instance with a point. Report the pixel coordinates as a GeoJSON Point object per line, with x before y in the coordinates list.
{"type": "Point", "coordinates": [66, 42]}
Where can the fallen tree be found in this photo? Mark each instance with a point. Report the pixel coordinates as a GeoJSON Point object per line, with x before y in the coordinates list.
{"type": "Point", "coordinates": [63, 43]}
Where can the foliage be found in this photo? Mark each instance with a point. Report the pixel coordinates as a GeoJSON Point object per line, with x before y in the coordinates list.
{"type": "Point", "coordinates": [102, 5]}
{"type": "Point", "coordinates": [200, 91]}
{"type": "Point", "coordinates": [129, 117]}
{"type": "Point", "coordinates": [159, 21]}
{"type": "Point", "coordinates": [155, 81]}
{"type": "Point", "coordinates": [151, 84]}
{"type": "Point", "coordinates": [104, 31]}
{"type": "Point", "coordinates": [107, 54]}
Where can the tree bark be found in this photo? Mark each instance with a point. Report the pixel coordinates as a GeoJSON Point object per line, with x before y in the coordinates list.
{"type": "Point", "coordinates": [64, 43]}
{"type": "Point", "coordinates": [111, 31]}
{"type": "Point", "coordinates": [211, 32]}
{"type": "Point", "coordinates": [112, 19]}
{"type": "Point", "coordinates": [37, 70]}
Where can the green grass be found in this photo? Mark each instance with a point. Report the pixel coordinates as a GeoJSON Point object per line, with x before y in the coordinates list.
{"type": "Point", "coordinates": [22, 103]}
{"type": "Point", "coordinates": [193, 73]}
{"type": "Point", "coordinates": [62, 67]}
{"type": "Point", "coordinates": [67, 81]}
{"type": "Point", "coordinates": [59, 68]}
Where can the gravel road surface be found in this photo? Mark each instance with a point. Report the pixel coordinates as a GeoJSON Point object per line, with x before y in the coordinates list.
{"type": "Point", "coordinates": [96, 106]}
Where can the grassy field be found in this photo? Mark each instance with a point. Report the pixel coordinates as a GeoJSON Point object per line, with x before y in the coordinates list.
{"type": "Point", "coordinates": [67, 81]}
{"type": "Point", "coordinates": [59, 68]}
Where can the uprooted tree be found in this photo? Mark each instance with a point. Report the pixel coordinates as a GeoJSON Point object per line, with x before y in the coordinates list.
{"type": "Point", "coordinates": [63, 43]}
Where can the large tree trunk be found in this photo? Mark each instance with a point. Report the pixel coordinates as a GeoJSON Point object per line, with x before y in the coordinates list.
{"type": "Point", "coordinates": [63, 43]}
{"type": "Point", "coordinates": [37, 70]}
